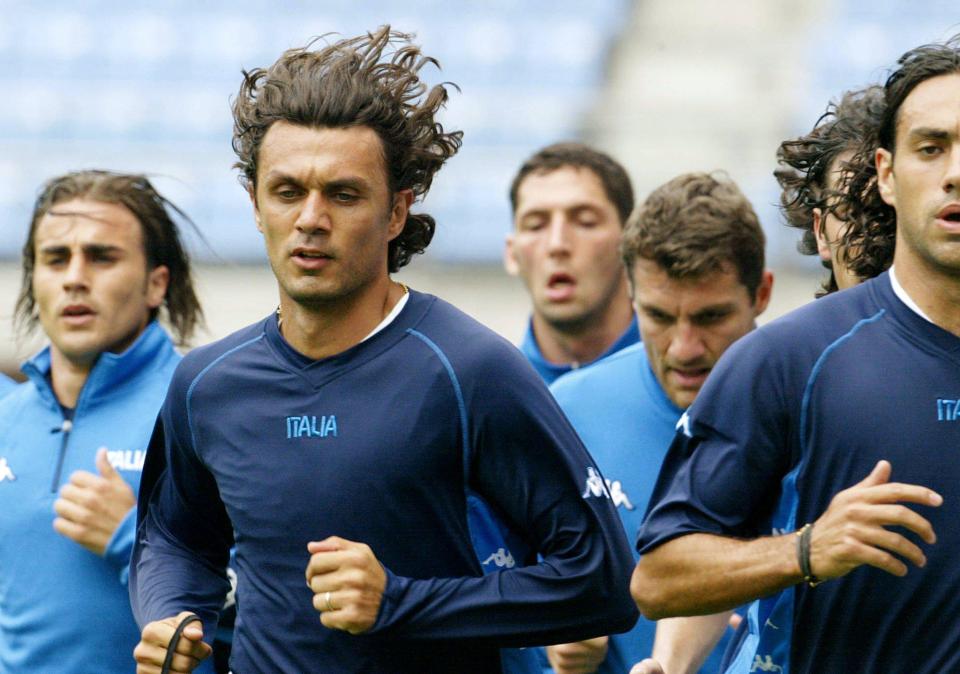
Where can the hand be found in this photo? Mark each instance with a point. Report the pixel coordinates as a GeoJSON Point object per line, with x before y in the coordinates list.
{"type": "Point", "coordinates": [347, 583]}
{"type": "Point", "coordinates": [852, 530]}
{"type": "Point", "coordinates": [581, 657]}
{"type": "Point", "coordinates": [648, 666]}
{"type": "Point", "coordinates": [91, 507]}
{"type": "Point", "coordinates": [152, 649]}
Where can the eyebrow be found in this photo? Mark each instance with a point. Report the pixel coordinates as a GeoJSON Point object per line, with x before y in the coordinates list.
{"type": "Point", "coordinates": [929, 132]}
{"type": "Point", "coordinates": [349, 182]}
{"type": "Point", "coordinates": [88, 249]}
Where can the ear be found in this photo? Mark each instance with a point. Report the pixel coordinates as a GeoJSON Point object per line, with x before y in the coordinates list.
{"type": "Point", "coordinates": [819, 231]}
{"type": "Point", "coordinates": [402, 201]}
{"type": "Point", "coordinates": [158, 280]}
{"type": "Point", "coordinates": [764, 291]}
{"type": "Point", "coordinates": [509, 256]}
{"type": "Point", "coordinates": [886, 180]}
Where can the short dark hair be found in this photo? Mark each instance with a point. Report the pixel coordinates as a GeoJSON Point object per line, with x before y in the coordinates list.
{"type": "Point", "coordinates": [161, 241]}
{"type": "Point", "coordinates": [806, 163]}
{"type": "Point", "coordinates": [352, 83]}
{"type": "Point", "coordinates": [613, 177]}
{"type": "Point", "coordinates": [697, 224]}
{"type": "Point", "coordinates": [872, 236]}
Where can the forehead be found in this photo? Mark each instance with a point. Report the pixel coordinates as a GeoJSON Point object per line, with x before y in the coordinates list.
{"type": "Point", "coordinates": [87, 222]}
{"type": "Point", "coordinates": [565, 187]}
{"type": "Point", "coordinates": [653, 287]}
{"type": "Point", "coordinates": [321, 153]}
{"type": "Point", "coordinates": [934, 104]}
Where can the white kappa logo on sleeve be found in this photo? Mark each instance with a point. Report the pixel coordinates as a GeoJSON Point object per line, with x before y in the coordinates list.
{"type": "Point", "coordinates": [6, 473]}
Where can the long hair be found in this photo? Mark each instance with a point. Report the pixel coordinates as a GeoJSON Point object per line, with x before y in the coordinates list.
{"type": "Point", "coordinates": [161, 241]}
{"type": "Point", "coordinates": [805, 165]}
{"type": "Point", "coordinates": [371, 81]}
{"type": "Point", "coordinates": [873, 234]}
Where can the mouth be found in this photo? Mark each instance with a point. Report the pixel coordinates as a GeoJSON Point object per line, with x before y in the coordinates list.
{"type": "Point", "coordinates": [560, 287]}
{"type": "Point", "coordinates": [77, 314]}
{"type": "Point", "coordinates": [690, 377]}
{"type": "Point", "coordinates": [950, 216]}
{"type": "Point", "coordinates": [310, 258]}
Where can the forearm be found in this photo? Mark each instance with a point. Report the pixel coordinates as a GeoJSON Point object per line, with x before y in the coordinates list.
{"type": "Point", "coordinates": [699, 574]}
{"type": "Point", "coordinates": [683, 644]}
{"type": "Point", "coordinates": [167, 578]}
{"type": "Point", "coordinates": [525, 606]}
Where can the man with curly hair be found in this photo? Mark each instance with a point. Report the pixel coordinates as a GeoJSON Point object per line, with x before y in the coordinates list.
{"type": "Point", "coordinates": [814, 172]}
{"type": "Point", "coordinates": [348, 441]}
{"type": "Point", "coordinates": [817, 470]}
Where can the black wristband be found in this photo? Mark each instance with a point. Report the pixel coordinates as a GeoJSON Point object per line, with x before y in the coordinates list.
{"type": "Point", "coordinates": [803, 555]}
{"type": "Point", "coordinates": [172, 646]}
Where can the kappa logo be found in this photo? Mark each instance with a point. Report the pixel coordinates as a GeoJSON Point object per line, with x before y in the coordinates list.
{"type": "Point", "coordinates": [311, 426]}
{"type": "Point", "coordinates": [126, 459]}
{"type": "Point", "coordinates": [764, 665]}
{"type": "Point", "coordinates": [501, 558]}
{"type": "Point", "coordinates": [6, 473]}
{"type": "Point", "coordinates": [596, 486]}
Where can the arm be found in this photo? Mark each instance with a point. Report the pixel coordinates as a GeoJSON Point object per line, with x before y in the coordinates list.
{"type": "Point", "coordinates": [183, 535]}
{"type": "Point", "coordinates": [527, 463]}
{"type": "Point", "coordinates": [699, 574]}
{"type": "Point", "coordinates": [683, 644]}
{"type": "Point", "coordinates": [579, 657]}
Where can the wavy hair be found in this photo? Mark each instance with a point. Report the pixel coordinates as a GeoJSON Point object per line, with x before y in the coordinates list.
{"type": "Point", "coordinates": [874, 234]}
{"type": "Point", "coordinates": [371, 80]}
{"type": "Point", "coordinates": [162, 245]}
{"type": "Point", "coordinates": [805, 165]}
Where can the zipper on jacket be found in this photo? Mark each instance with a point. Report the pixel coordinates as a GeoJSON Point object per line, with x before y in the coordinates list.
{"type": "Point", "coordinates": [65, 429]}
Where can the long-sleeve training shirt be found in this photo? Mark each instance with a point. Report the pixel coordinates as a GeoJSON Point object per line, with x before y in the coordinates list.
{"type": "Point", "coordinates": [384, 444]}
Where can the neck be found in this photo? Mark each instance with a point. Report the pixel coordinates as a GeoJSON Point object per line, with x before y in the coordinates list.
{"type": "Point", "coordinates": [324, 329]}
{"type": "Point", "coordinates": [566, 344]}
{"type": "Point", "coordinates": [935, 290]}
{"type": "Point", "coordinates": [68, 377]}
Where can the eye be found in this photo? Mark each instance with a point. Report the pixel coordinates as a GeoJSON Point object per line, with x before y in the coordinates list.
{"type": "Point", "coordinates": [711, 317]}
{"type": "Point", "coordinates": [287, 192]}
{"type": "Point", "coordinates": [532, 224]}
{"type": "Point", "coordinates": [930, 150]}
{"type": "Point", "coordinates": [658, 317]}
{"type": "Point", "coordinates": [345, 197]}
{"type": "Point", "coordinates": [55, 260]}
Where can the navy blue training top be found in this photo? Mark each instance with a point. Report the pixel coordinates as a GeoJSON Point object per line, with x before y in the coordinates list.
{"type": "Point", "coordinates": [796, 412]}
{"type": "Point", "coordinates": [382, 444]}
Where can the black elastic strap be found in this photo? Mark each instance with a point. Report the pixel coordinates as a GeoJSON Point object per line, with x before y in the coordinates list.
{"type": "Point", "coordinates": [172, 646]}
{"type": "Point", "coordinates": [803, 555]}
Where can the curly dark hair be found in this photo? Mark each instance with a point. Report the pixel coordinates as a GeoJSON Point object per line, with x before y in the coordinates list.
{"type": "Point", "coordinates": [161, 241]}
{"type": "Point", "coordinates": [373, 81]}
{"type": "Point", "coordinates": [613, 177]}
{"type": "Point", "coordinates": [874, 234]}
{"type": "Point", "coordinates": [805, 165]}
{"type": "Point", "coordinates": [697, 224]}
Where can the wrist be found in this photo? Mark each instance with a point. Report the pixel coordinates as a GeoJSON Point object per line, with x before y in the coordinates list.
{"type": "Point", "coordinates": [803, 556]}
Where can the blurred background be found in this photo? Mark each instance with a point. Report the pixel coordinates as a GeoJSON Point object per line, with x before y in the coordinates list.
{"type": "Point", "coordinates": [665, 86]}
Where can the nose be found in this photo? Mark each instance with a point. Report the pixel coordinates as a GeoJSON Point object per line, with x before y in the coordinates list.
{"type": "Point", "coordinates": [951, 179]}
{"type": "Point", "coordinates": [76, 273]}
{"type": "Point", "coordinates": [558, 237]}
{"type": "Point", "coordinates": [686, 344]}
{"type": "Point", "coordinates": [313, 215]}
